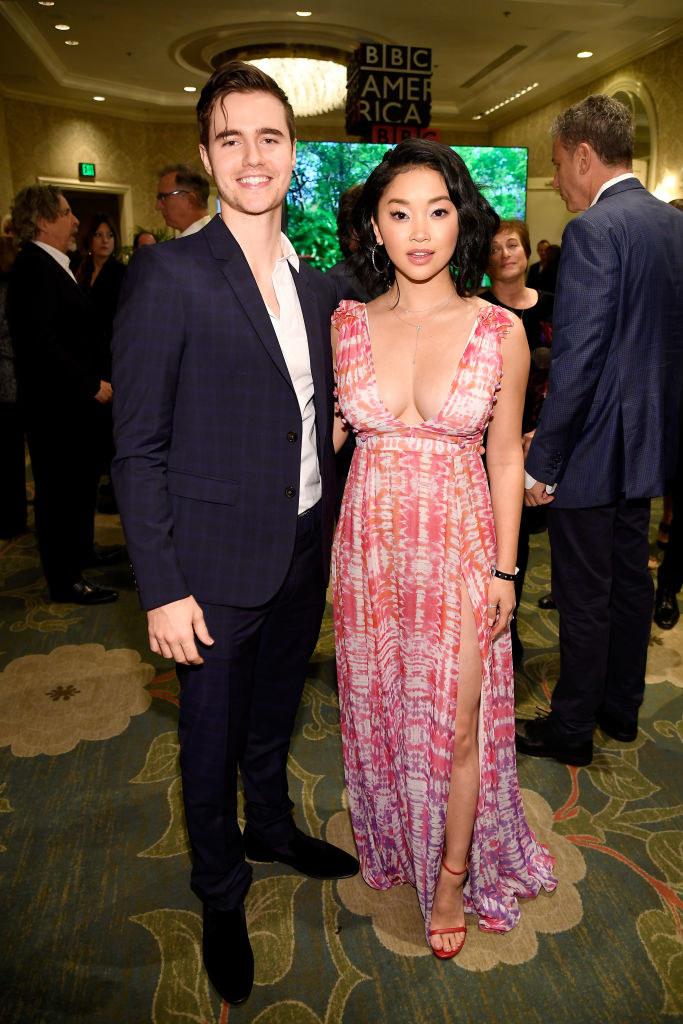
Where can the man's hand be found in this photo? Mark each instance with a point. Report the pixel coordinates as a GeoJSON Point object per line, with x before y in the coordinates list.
{"type": "Point", "coordinates": [537, 495]}
{"type": "Point", "coordinates": [173, 627]}
{"type": "Point", "coordinates": [526, 442]}
{"type": "Point", "coordinates": [105, 394]}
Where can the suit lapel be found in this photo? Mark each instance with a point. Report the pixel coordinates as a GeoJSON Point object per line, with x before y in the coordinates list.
{"type": "Point", "coordinates": [69, 284]}
{"type": "Point", "coordinates": [236, 271]}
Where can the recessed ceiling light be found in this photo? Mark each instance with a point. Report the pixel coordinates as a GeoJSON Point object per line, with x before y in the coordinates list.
{"type": "Point", "coordinates": [584, 54]}
{"type": "Point", "coordinates": [304, 14]}
{"type": "Point", "coordinates": [477, 117]}
{"type": "Point", "coordinates": [189, 88]}
{"type": "Point", "coordinates": [62, 28]}
{"type": "Point", "coordinates": [100, 99]}
{"type": "Point", "coordinates": [46, 3]}
{"type": "Point", "coordinates": [71, 42]}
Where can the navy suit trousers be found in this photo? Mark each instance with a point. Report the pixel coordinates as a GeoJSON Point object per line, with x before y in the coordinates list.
{"type": "Point", "coordinates": [238, 710]}
{"type": "Point", "coordinates": [604, 594]}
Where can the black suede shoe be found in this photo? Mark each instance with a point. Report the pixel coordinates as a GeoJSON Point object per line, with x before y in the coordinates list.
{"type": "Point", "coordinates": [617, 728]}
{"type": "Point", "coordinates": [666, 608]}
{"type": "Point", "coordinates": [540, 738]}
{"type": "Point", "coordinates": [227, 953]}
{"type": "Point", "coordinates": [83, 592]}
{"type": "Point", "coordinates": [546, 603]}
{"type": "Point", "coordinates": [312, 857]}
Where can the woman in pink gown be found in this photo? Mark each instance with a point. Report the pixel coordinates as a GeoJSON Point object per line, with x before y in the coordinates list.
{"type": "Point", "coordinates": [424, 556]}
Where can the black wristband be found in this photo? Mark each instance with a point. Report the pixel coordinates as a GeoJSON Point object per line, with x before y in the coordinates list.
{"type": "Point", "coordinates": [509, 576]}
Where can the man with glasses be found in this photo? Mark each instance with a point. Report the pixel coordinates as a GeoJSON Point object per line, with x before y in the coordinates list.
{"type": "Point", "coordinates": [182, 198]}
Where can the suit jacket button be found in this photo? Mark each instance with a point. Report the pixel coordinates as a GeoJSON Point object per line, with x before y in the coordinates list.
{"type": "Point", "coordinates": [292, 436]}
{"type": "Point", "coordinates": [290, 491]}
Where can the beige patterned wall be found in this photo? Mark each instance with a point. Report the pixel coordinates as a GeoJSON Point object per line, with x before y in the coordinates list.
{"type": "Point", "coordinates": [5, 169]}
{"type": "Point", "coordinates": [660, 73]}
{"type": "Point", "coordinates": [50, 141]}
{"type": "Point", "coordinates": [40, 139]}
{"type": "Point", "coordinates": [45, 140]}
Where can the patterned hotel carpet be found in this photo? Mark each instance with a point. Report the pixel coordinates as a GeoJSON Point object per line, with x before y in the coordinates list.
{"type": "Point", "coordinates": [98, 922]}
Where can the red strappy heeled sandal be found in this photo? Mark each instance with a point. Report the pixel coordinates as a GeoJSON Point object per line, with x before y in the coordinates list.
{"type": "Point", "coordinates": [448, 954]}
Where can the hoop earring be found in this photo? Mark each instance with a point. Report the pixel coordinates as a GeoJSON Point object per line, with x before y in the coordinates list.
{"type": "Point", "coordinates": [379, 271]}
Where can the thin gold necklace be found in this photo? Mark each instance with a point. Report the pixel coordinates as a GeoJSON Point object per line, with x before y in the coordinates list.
{"type": "Point", "coordinates": [432, 310]}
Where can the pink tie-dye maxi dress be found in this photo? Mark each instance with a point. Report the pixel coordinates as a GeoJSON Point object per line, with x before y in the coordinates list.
{"type": "Point", "coordinates": [415, 522]}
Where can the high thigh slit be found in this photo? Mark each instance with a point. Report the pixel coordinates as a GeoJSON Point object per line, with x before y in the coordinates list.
{"type": "Point", "coordinates": [416, 525]}
{"type": "Point", "coordinates": [464, 783]}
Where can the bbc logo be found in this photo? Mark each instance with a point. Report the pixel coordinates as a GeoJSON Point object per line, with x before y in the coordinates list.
{"type": "Point", "coordinates": [384, 57]}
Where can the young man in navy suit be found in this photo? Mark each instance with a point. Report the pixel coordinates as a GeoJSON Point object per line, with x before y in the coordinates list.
{"type": "Point", "coordinates": [607, 439]}
{"type": "Point", "coordinates": [224, 474]}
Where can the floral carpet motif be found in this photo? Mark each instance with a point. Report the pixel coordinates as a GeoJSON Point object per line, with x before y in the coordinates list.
{"type": "Point", "coordinates": [48, 702]}
{"type": "Point", "coordinates": [99, 923]}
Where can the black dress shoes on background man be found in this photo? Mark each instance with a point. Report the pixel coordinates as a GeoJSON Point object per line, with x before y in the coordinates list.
{"type": "Point", "coordinates": [541, 738]}
{"type": "Point", "coordinates": [666, 608]}
{"type": "Point", "coordinates": [312, 857]}
{"type": "Point", "coordinates": [617, 728]}
{"type": "Point", "coordinates": [84, 592]}
{"type": "Point", "coordinates": [227, 953]}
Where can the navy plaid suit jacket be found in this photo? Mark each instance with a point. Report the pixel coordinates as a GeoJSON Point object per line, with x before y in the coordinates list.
{"type": "Point", "coordinates": [207, 423]}
{"type": "Point", "coordinates": [609, 424]}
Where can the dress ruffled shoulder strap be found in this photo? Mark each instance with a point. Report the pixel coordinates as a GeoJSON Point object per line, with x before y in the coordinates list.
{"type": "Point", "coordinates": [349, 311]}
{"type": "Point", "coordinates": [495, 318]}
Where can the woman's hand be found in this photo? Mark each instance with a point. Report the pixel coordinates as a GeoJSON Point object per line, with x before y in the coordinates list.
{"type": "Point", "coordinates": [500, 605]}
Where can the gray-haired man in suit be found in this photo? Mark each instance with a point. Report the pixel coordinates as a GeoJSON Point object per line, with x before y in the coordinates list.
{"type": "Point", "coordinates": [607, 439]}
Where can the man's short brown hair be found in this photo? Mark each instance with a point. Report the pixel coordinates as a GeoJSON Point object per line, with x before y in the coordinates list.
{"type": "Point", "coordinates": [236, 76]}
{"type": "Point", "coordinates": [601, 121]}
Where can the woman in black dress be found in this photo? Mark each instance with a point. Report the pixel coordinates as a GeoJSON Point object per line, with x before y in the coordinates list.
{"type": "Point", "coordinates": [100, 276]}
{"type": "Point", "coordinates": [510, 251]}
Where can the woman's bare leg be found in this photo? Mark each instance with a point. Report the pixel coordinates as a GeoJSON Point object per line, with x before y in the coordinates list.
{"type": "Point", "coordinates": [448, 908]}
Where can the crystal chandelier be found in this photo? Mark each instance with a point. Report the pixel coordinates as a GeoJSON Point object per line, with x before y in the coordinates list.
{"type": "Point", "coordinates": [312, 86]}
{"type": "Point", "coordinates": [312, 75]}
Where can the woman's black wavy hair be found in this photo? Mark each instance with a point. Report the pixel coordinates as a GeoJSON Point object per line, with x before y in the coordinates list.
{"type": "Point", "coordinates": [477, 220]}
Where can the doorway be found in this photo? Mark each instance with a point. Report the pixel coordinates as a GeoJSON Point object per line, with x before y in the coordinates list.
{"type": "Point", "coordinates": [89, 198]}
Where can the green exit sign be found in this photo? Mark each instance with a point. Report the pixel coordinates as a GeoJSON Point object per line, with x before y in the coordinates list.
{"type": "Point", "coordinates": [86, 171]}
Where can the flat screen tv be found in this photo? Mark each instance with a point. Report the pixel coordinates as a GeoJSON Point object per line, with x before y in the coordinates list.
{"type": "Point", "coordinates": [324, 169]}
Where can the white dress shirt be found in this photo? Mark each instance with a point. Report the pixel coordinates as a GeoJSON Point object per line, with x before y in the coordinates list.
{"type": "Point", "coordinates": [196, 225]}
{"type": "Point", "coordinates": [612, 181]}
{"type": "Point", "coordinates": [291, 333]}
{"type": "Point", "coordinates": [59, 256]}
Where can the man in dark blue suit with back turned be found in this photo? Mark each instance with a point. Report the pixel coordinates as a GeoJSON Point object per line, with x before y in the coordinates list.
{"type": "Point", "coordinates": [607, 439]}
{"type": "Point", "coordinates": [224, 474]}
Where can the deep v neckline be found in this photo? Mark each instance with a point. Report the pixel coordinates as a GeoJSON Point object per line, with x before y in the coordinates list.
{"type": "Point", "coordinates": [373, 373]}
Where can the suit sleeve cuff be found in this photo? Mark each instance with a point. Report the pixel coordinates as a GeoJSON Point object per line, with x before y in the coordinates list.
{"type": "Point", "coordinates": [529, 483]}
